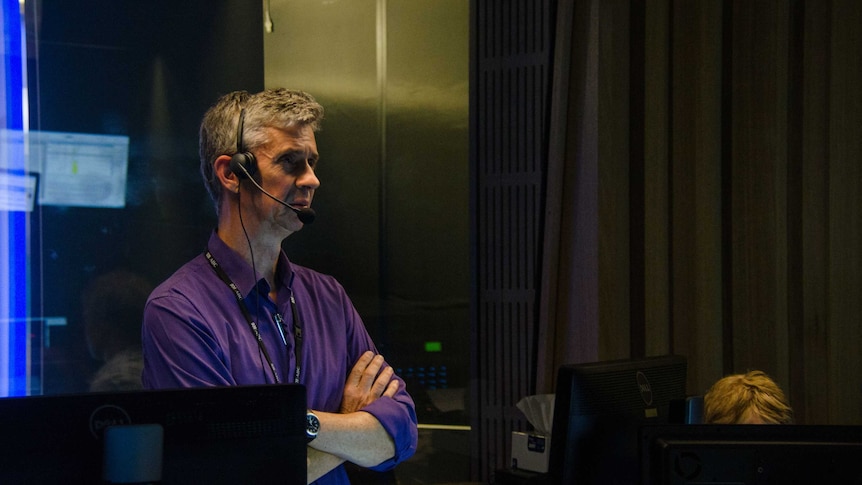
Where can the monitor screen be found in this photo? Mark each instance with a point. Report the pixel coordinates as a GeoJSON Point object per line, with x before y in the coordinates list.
{"type": "Point", "coordinates": [241, 434]}
{"type": "Point", "coordinates": [751, 454]}
{"type": "Point", "coordinates": [598, 411]}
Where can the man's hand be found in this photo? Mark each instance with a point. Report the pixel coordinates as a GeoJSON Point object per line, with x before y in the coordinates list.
{"type": "Point", "coordinates": [366, 382]}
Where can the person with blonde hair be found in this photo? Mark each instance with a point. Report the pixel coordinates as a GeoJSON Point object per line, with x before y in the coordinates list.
{"type": "Point", "coordinates": [750, 398]}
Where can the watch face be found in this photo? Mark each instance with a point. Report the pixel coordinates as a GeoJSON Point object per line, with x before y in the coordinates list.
{"type": "Point", "coordinates": [312, 426]}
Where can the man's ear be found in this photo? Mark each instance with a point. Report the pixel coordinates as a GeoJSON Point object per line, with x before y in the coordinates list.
{"type": "Point", "coordinates": [222, 170]}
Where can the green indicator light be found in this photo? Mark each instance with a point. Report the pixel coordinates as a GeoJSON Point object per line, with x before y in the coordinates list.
{"type": "Point", "coordinates": [433, 346]}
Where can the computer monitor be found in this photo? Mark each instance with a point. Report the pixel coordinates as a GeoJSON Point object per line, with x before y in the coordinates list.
{"type": "Point", "coordinates": [229, 435]}
{"type": "Point", "coordinates": [750, 454]}
{"type": "Point", "coordinates": [598, 411]}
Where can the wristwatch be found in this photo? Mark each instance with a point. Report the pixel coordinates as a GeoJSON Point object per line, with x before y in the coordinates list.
{"type": "Point", "coordinates": [312, 426]}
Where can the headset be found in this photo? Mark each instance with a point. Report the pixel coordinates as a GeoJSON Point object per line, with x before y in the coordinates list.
{"type": "Point", "coordinates": [242, 163]}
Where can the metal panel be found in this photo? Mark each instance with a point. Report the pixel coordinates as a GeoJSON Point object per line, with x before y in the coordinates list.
{"type": "Point", "coordinates": [393, 204]}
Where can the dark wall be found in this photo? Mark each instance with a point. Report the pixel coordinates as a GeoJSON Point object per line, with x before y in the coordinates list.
{"type": "Point", "coordinates": [147, 70]}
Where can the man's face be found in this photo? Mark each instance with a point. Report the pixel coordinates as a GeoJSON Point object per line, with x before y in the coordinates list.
{"type": "Point", "coordinates": [286, 167]}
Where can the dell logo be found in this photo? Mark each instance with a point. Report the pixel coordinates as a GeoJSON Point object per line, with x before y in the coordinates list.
{"type": "Point", "coordinates": [107, 415]}
{"type": "Point", "coordinates": [645, 389]}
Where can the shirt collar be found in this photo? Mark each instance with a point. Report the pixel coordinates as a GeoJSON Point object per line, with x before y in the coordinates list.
{"type": "Point", "coordinates": [240, 272]}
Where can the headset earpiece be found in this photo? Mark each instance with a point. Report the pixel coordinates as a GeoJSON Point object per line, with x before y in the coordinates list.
{"type": "Point", "coordinates": [242, 163]}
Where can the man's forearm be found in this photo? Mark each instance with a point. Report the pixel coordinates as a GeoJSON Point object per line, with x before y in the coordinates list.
{"type": "Point", "coordinates": [320, 463]}
{"type": "Point", "coordinates": [355, 437]}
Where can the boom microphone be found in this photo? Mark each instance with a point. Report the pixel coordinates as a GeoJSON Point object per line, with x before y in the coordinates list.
{"type": "Point", "coordinates": [306, 215]}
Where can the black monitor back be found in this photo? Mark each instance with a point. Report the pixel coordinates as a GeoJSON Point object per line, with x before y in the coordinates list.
{"type": "Point", "coordinates": [751, 454]}
{"type": "Point", "coordinates": [598, 411]}
{"type": "Point", "coordinates": [213, 435]}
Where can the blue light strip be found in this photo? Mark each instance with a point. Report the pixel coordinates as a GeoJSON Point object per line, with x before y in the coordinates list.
{"type": "Point", "coordinates": [14, 277]}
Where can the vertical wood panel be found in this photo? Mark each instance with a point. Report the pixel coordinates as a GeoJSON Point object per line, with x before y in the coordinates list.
{"type": "Point", "coordinates": [795, 202]}
{"type": "Point", "coordinates": [759, 180]}
{"type": "Point", "coordinates": [845, 211]}
{"type": "Point", "coordinates": [657, 71]}
{"type": "Point", "coordinates": [695, 182]}
{"type": "Point", "coordinates": [613, 170]}
{"type": "Point", "coordinates": [813, 360]}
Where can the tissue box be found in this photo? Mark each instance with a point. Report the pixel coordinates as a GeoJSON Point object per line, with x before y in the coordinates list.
{"type": "Point", "coordinates": [530, 451]}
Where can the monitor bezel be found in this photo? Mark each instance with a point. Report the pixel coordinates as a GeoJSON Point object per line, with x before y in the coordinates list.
{"type": "Point", "coordinates": [748, 453]}
{"type": "Point", "coordinates": [210, 433]}
{"type": "Point", "coordinates": [610, 425]}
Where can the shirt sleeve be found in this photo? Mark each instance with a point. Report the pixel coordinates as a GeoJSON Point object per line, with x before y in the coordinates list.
{"type": "Point", "coordinates": [179, 350]}
{"type": "Point", "coordinates": [397, 414]}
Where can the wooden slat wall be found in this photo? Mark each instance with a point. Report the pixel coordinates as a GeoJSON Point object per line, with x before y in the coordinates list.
{"type": "Point", "coordinates": [707, 199]}
{"type": "Point", "coordinates": [613, 164]}
{"type": "Point", "coordinates": [730, 231]}
{"type": "Point", "coordinates": [696, 210]}
{"type": "Point", "coordinates": [765, 209]}
{"type": "Point", "coordinates": [657, 144]}
{"type": "Point", "coordinates": [809, 340]}
{"type": "Point", "coordinates": [844, 165]}
{"type": "Point", "coordinates": [758, 169]}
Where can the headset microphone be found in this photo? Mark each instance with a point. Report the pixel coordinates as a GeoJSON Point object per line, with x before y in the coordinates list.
{"type": "Point", "coordinates": [243, 164]}
{"type": "Point", "coordinates": [306, 214]}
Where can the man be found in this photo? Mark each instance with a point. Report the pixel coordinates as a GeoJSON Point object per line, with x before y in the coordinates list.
{"type": "Point", "coordinates": [242, 313]}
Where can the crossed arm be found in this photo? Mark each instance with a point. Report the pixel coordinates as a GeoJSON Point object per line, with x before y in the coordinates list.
{"type": "Point", "coordinates": [352, 434]}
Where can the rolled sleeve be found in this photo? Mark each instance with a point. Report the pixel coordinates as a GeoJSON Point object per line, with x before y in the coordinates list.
{"type": "Point", "coordinates": [397, 415]}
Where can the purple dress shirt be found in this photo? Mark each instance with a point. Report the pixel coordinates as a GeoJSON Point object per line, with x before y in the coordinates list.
{"type": "Point", "coordinates": [194, 334]}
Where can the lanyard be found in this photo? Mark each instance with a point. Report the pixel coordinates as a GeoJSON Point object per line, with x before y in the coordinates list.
{"type": "Point", "coordinates": [297, 326]}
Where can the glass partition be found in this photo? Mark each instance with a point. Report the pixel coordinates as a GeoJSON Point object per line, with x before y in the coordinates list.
{"type": "Point", "coordinates": [111, 202]}
{"type": "Point", "coordinates": [105, 107]}
{"type": "Point", "coordinates": [100, 197]}
{"type": "Point", "coordinates": [99, 193]}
